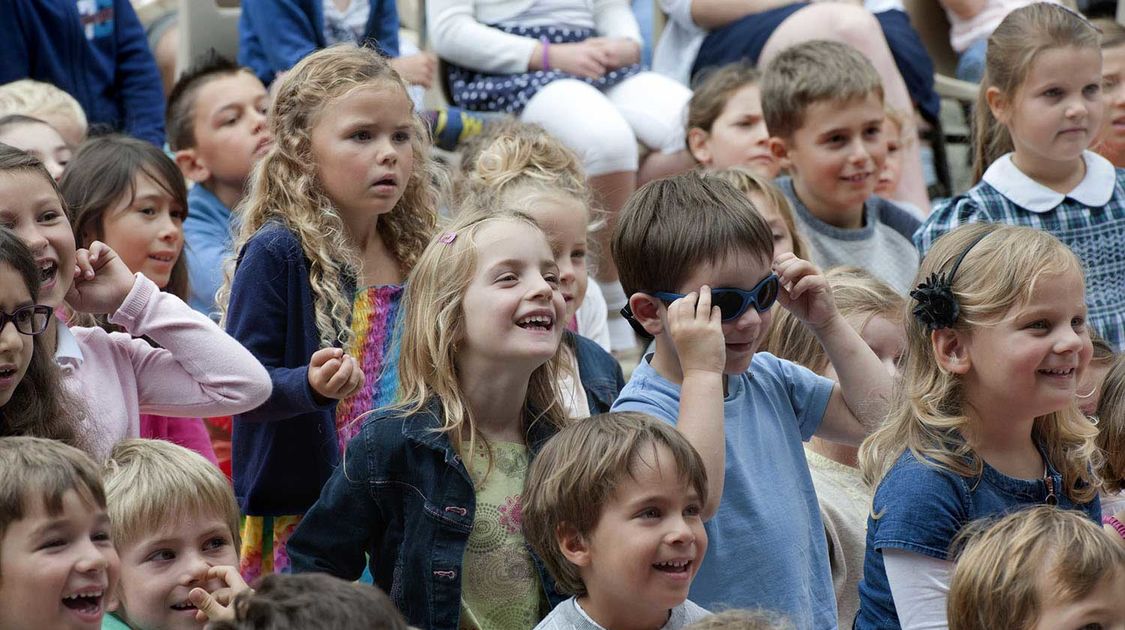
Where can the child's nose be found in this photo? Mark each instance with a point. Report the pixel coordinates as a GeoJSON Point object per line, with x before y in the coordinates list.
{"type": "Point", "coordinates": [92, 559]}
{"type": "Point", "coordinates": [195, 570]}
{"type": "Point", "coordinates": [681, 532]}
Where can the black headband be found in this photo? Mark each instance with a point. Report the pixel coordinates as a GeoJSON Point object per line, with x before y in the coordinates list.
{"type": "Point", "coordinates": [937, 307]}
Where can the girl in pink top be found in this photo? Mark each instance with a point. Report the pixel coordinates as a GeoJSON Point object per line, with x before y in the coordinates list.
{"type": "Point", "coordinates": [130, 195]}
{"type": "Point", "coordinates": [196, 370]}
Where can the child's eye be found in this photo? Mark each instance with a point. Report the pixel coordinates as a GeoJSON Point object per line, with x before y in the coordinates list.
{"type": "Point", "coordinates": [836, 139]}
{"type": "Point", "coordinates": [1078, 323]}
{"type": "Point", "coordinates": [1091, 626]}
{"type": "Point", "coordinates": [229, 121]}
{"type": "Point", "coordinates": [49, 216]}
{"type": "Point", "coordinates": [578, 254]}
{"type": "Point", "coordinates": [161, 555]}
{"type": "Point", "coordinates": [52, 543]}
{"type": "Point", "coordinates": [874, 132]}
{"type": "Point", "coordinates": [1053, 93]}
{"type": "Point", "coordinates": [552, 279]}
{"type": "Point", "coordinates": [361, 135]}
{"type": "Point", "coordinates": [402, 137]}
{"type": "Point", "coordinates": [507, 277]}
{"type": "Point", "coordinates": [217, 542]}
{"type": "Point", "coordinates": [693, 510]}
{"type": "Point", "coordinates": [147, 211]}
{"type": "Point", "coordinates": [1092, 90]}
{"type": "Point", "coordinates": [649, 513]}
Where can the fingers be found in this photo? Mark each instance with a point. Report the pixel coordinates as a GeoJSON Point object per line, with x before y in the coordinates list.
{"type": "Point", "coordinates": [343, 373]}
{"type": "Point", "coordinates": [208, 608]}
{"type": "Point", "coordinates": [82, 266]}
{"type": "Point", "coordinates": [322, 356]}
{"type": "Point", "coordinates": [229, 576]}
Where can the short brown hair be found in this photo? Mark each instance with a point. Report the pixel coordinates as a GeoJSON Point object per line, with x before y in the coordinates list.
{"type": "Point", "coordinates": [671, 226]}
{"type": "Point", "coordinates": [34, 469]}
{"type": "Point", "coordinates": [813, 72]}
{"type": "Point", "coordinates": [714, 88]}
{"type": "Point", "coordinates": [578, 471]}
{"type": "Point", "coordinates": [1111, 427]}
{"type": "Point", "coordinates": [857, 293]}
{"type": "Point", "coordinates": [151, 483]}
{"type": "Point", "coordinates": [994, 583]}
{"type": "Point", "coordinates": [312, 600]}
{"type": "Point", "coordinates": [180, 112]}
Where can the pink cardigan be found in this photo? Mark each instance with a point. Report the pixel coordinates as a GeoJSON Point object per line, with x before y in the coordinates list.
{"type": "Point", "coordinates": [199, 370]}
{"type": "Point", "coordinates": [189, 433]}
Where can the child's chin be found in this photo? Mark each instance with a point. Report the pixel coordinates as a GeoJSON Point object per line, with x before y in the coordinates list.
{"type": "Point", "coordinates": [738, 365]}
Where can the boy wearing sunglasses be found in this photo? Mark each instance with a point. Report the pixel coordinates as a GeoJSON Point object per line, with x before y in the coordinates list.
{"type": "Point", "coordinates": [696, 259]}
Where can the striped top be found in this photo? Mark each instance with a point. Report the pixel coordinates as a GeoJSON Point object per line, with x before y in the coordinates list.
{"type": "Point", "coordinates": [375, 312]}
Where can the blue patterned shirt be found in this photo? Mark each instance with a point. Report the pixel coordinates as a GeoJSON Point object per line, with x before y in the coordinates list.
{"type": "Point", "coordinates": [1089, 219]}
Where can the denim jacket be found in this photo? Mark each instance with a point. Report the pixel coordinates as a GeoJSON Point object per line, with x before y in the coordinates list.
{"type": "Point", "coordinates": [403, 496]}
{"type": "Point", "coordinates": [598, 371]}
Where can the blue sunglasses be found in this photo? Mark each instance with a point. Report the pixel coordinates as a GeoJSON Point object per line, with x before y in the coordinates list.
{"type": "Point", "coordinates": [733, 303]}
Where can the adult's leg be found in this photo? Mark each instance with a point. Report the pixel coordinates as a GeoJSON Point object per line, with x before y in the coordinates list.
{"type": "Point", "coordinates": [855, 26]}
{"type": "Point", "coordinates": [655, 108]}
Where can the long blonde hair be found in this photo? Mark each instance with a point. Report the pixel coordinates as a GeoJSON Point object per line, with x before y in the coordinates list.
{"type": "Point", "coordinates": [927, 412]}
{"type": "Point", "coordinates": [285, 186]}
{"type": "Point", "coordinates": [1012, 48]}
{"type": "Point", "coordinates": [433, 331]}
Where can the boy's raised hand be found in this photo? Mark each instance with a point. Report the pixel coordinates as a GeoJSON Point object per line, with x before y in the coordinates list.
{"type": "Point", "coordinates": [804, 291]}
{"type": "Point", "coordinates": [101, 280]}
{"type": "Point", "coordinates": [696, 328]}
{"type": "Point", "coordinates": [333, 374]}
{"type": "Point", "coordinates": [216, 606]}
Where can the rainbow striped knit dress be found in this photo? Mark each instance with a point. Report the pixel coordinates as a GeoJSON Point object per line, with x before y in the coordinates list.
{"type": "Point", "coordinates": [375, 312]}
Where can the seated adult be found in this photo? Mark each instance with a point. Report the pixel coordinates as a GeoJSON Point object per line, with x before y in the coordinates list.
{"type": "Point", "coordinates": [571, 66]}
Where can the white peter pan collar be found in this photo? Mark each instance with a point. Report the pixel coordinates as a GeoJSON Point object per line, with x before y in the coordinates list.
{"type": "Point", "coordinates": [1095, 190]}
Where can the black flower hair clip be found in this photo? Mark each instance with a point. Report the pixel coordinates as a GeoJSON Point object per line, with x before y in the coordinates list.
{"type": "Point", "coordinates": [937, 306]}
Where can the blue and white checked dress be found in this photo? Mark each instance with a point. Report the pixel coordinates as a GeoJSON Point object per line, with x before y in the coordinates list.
{"type": "Point", "coordinates": [1089, 219]}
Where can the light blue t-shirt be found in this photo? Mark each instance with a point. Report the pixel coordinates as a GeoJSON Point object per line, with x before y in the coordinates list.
{"type": "Point", "coordinates": [767, 547]}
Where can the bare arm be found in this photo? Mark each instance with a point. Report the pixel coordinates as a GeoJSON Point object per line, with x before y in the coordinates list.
{"type": "Point", "coordinates": [713, 14]}
{"type": "Point", "coordinates": [964, 9]}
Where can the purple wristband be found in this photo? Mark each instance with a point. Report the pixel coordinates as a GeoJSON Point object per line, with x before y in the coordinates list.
{"type": "Point", "coordinates": [1117, 525]}
{"type": "Point", "coordinates": [546, 45]}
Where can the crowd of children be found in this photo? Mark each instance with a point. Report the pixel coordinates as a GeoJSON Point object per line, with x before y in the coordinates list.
{"type": "Point", "coordinates": [285, 373]}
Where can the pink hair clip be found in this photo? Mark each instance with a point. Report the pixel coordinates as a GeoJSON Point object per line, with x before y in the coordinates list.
{"type": "Point", "coordinates": [448, 237]}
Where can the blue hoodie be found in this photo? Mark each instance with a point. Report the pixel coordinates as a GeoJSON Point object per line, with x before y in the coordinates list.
{"type": "Point", "coordinates": [273, 35]}
{"type": "Point", "coordinates": [93, 49]}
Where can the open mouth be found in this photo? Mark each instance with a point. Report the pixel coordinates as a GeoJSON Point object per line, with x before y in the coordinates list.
{"type": "Point", "coordinates": [163, 258]}
{"type": "Point", "coordinates": [183, 606]}
{"type": "Point", "coordinates": [87, 604]}
{"type": "Point", "coordinates": [858, 178]}
{"type": "Point", "coordinates": [536, 322]}
{"type": "Point", "coordinates": [386, 181]}
{"type": "Point", "coordinates": [1058, 372]}
{"type": "Point", "coordinates": [673, 566]}
{"type": "Point", "coordinates": [47, 271]}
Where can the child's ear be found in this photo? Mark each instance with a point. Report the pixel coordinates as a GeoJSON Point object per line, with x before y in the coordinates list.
{"type": "Point", "coordinates": [646, 310]}
{"type": "Point", "coordinates": [998, 103]}
{"type": "Point", "coordinates": [697, 145]}
{"type": "Point", "coordinates": [950, 350]}
{"type": "Point", "coordinates": [573, 545]}
{"type": "Point", "coordinates": [780, 150]}
{"type": "Point", "coordinates": [192, 166]}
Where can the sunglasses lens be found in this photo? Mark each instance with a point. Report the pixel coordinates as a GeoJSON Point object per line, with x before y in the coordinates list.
{"type": "Point", "coordinates": [767, 294]}
{"type": "Point", "coordinates": [729, 303]}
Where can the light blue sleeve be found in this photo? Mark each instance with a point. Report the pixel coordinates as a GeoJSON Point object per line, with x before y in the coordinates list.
{"type": "Point", "coordinates": [206, 250]}
{"type": "Point", "coordinates": [808, 392]}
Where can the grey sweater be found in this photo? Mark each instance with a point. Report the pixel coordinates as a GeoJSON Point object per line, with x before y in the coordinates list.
{"type": "Point", "coordinates": [569, 616]}
{"type": "Point", "coordinates": [883, 246]}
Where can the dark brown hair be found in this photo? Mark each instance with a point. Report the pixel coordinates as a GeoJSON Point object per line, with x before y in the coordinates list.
{"type": "Point", "coordinates": [671, 226]}
{"type": "Point", "coordinates": [179, 115]}
{"type": "Point", "coordinates": [312, 600]}
{"type": "Point", "coordinates": [714, 88]}
{"type": "Point", "coordinates": [39, 406]}
{"type": "Point", "coordinates": [102, 171]}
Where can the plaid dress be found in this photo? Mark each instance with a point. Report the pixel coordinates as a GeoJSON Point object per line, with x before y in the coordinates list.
{"type": "Point", "coordinates": [1090, 220]}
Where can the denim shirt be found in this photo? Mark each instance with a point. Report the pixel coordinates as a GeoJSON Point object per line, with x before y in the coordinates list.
{"type": "Point", "coordinates": [403, 497]}
{"type": "Point", "coordinates": [921, 509]}
{"type": "Point", "coordinates": [599, 373]}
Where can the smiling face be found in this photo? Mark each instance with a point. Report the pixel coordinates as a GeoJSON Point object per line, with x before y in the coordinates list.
{"type": "Point", "coordinates": [31, 208]}
{"type": "Point", "coordinates": [835, 157]}
{"type": "Point", "coordinates": [42, 141]}
{"type": "Point", "coordinates": [742, 270]}
{"type": "Point", "coordinates": [513, 309]}
{"type": "Point", "coordinates": [1057, 111]}
{"type": "Point", "coordinates": [57, 571]}
{"type": "Point", "coordinates": [564, 221]}
{"type": "Point", "coordinates": [229, 124]}
{"type": "Point", "coordinates": [1029, 363]}
{"type": "Point", "coordinates": [738, 137]}
{"type": "Point", "coordinates": [147, 230]}
{"type": "Point", "coordinates": [15, 347]}
{"type": "Point", "coordinates": [361, 145]}
{"type": "Point", "coordinates": [158, 571]}
{"type": "Point", "coordinates": [639, 560]}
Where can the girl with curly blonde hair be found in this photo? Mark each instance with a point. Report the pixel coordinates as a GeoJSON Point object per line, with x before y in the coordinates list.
{"type": "Point", "coordinates": [337, 214]}
{"type": "Point", "coordinates": [984, 421]}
